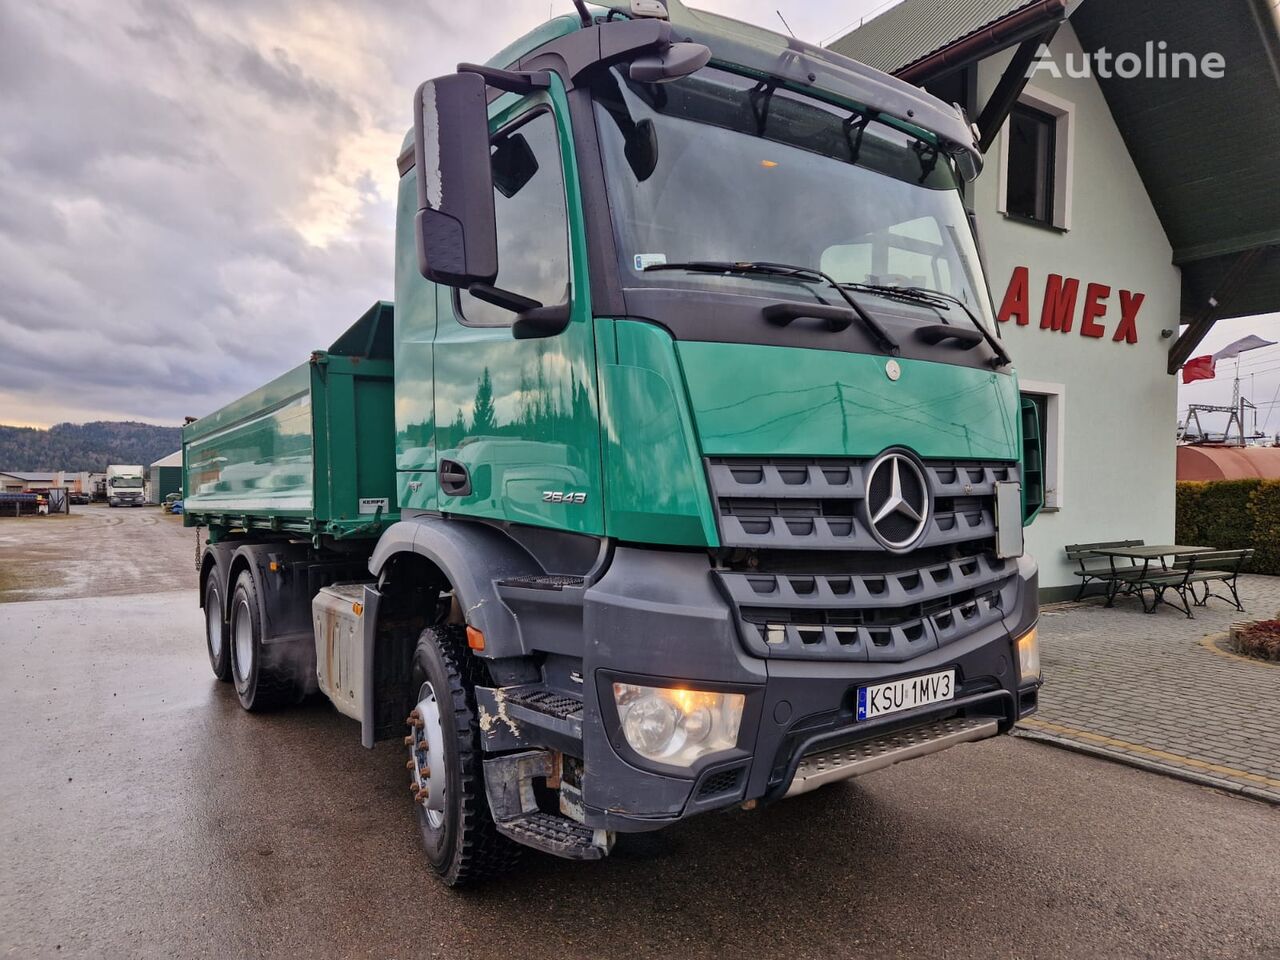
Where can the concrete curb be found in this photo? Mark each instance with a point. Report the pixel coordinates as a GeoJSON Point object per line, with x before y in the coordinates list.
{"type": "Point", "coordinates": [1151, 766]}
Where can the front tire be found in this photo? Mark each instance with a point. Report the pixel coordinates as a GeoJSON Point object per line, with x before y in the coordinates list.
{"type": "Point", "coordinates": [266, 675]}
{"type": "Point", "coordinates": [217, 635]}
{"type": "Point", "coordinates": [461, 841]}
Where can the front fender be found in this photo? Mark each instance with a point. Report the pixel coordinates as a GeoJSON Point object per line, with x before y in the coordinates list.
{"type": "Point", "coordinates": [473, 557]}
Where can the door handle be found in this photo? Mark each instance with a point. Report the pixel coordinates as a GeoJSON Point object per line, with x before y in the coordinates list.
{"type": "Point", "coordinates": [455, 479]}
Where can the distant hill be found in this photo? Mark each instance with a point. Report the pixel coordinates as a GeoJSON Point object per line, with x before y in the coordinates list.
{"type": "Point", "coordinates": [85, 446]}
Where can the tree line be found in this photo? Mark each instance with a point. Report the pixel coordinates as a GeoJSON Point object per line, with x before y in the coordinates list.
{"type": "Point", "coordinates": [85, 446]}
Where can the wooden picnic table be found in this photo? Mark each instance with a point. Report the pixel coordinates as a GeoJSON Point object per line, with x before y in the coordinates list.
{"type": "Point", "coordinates": [1144, 554]}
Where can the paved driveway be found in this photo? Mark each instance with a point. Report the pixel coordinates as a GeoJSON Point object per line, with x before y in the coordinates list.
{"type": "Point", "coordinates": [144, 814]}
{"type": "Point", "coordinates": [1161, 690]}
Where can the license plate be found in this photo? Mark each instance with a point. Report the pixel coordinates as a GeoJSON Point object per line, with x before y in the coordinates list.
{"type": "Point", "coordinates": [898, 695]}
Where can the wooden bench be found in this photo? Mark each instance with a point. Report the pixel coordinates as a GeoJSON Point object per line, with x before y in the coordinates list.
{"type": "Point", "coordinates": [1186, 572]}
{"type": "Point", "coordinates": [1106, 570]}
{"type": "Point", "coordinates": [1220, 566]}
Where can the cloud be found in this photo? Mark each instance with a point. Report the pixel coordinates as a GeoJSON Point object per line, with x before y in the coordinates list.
{"type": "Point", "coordinates": [193, 196]}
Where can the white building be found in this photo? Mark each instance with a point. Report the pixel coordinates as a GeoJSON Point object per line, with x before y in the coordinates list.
{"type": "Point", "coordinates": [1120, 216]}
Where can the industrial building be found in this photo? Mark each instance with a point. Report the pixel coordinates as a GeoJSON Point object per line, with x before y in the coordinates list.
{"type": "Point", "coordinates": [22, 481]}
{"type": "Point", "coordinates": [164, 477]}
{"type": "Point", "coordinates": [1121, 217]}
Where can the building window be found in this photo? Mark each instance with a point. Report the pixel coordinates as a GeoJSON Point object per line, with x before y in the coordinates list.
{"type": "Point", "coordinates": [1031, 161]}
{"type": "Point", "coordinates": [1050, 403]}
{"type": "Point", "coordinates": [1036, 161]}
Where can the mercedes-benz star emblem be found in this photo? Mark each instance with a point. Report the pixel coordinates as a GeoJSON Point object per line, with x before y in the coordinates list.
{"type": "Point", "coordinates": [897, 500]}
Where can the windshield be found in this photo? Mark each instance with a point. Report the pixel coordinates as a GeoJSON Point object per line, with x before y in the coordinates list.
{"type": "Point", "coordinates": [717, 166]}
{"type": "Point", "coordinates": [127, 483]}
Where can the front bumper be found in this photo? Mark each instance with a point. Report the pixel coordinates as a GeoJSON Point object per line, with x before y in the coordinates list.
{"type": "Point", "coordinates": [657, 617]}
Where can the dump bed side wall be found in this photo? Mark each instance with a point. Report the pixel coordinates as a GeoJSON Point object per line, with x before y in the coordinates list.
{"type": "Point", "coordinates": [311, 452]}
{"type": "Point", "coordinates": [255, 455]}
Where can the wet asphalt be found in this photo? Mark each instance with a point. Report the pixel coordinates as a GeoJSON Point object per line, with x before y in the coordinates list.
{"type": "Point", "coordinates": [144, 814]}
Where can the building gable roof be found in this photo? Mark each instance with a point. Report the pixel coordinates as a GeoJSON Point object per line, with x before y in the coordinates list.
{"type": "Point", "coordinates": [912, 30]}
{"type": "Point", "coordinates": [172, 460]}
{"type": "Point", "coordinates": [1205, 148]}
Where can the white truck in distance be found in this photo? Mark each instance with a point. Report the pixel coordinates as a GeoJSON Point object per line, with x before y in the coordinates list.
{"type": "Point", "coordinates": [124, 485]}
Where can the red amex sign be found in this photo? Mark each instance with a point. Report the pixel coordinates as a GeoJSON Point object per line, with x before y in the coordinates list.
{"type": "Point", "coordinates": [1058, 309]}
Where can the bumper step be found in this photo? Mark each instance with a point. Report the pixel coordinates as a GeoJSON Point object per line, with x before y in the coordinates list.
{"type": "Point", "coordinates": [556, 835]}
{"type": "Point", "coordinates": [854, 759]}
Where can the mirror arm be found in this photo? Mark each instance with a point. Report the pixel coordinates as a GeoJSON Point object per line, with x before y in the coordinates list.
{"type": "Point", "coordinates": [502, 298]}
{"type": "Point", "coordinates": [512, 81]}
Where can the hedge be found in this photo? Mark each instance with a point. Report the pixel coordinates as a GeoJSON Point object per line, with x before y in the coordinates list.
{"type": "Point", "coordinates": [1231, 514]}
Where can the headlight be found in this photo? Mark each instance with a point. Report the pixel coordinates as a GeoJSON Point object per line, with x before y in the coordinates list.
{"type": "Point", "coordinates": [677, 726]}
{"type": "Point", "coordinates": [1029, 656]}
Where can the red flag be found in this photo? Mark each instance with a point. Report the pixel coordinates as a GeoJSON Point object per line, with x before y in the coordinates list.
{"type": "Point", "coordinates": [1198, 368]}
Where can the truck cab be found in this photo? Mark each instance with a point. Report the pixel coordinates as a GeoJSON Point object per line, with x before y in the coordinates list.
{"type": "Point", "coordinates": [710, 473]}
{"type": "Point", "coordinates": [124, 485]}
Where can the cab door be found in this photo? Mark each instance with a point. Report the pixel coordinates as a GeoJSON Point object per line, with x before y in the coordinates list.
{"type": "Point", "coordinates": [517, 426]}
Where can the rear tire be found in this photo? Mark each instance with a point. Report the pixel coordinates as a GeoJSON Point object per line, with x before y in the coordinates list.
{"type": "Point", "coordinates": [461, 841]}
{"type": "Point", "coordinates": [217, 634]}
{"type": "Point", "coordinates": [265, 675]}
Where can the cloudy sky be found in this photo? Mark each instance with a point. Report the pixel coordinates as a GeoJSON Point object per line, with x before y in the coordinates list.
{"type": "Point", "coordinates": [181, 180]}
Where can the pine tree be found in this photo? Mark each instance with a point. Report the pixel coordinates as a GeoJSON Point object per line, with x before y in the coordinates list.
{"type": "Point", "coordinates": [483, 417]}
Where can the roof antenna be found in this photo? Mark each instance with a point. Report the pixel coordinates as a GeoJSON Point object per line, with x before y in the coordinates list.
{"type": "Point", "coordinates": [787, 25]}
{"type": "Point", "coordinates": [583, 13]}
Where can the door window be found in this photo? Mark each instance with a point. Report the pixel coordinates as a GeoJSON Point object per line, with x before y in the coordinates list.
{"type": "Point", "coordinates": [532, 223]}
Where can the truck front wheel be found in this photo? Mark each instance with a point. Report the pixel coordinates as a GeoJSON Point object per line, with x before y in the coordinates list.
{"type": "Point", "coordinates": [266, 675]}
{"type": "Point", "coordinates": [216, 634]}
{"type": "Point", "coordinates": [462, 844]}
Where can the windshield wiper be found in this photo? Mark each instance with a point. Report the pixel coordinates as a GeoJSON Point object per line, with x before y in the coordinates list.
{"type": "Point", "coordinates": [787, 270]}
{"type": "Point", "coordinates": [935, 299]}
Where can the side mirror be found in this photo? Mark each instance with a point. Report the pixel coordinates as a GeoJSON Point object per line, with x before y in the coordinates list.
{"type": "Point", "coordinates": [533, 320]}
{"type": "Point", "coordinates": [455, 225]}
{"type": "Point", "coordinates": [514, 164]}
{"type": "Point", "coordinates": [541, 322]}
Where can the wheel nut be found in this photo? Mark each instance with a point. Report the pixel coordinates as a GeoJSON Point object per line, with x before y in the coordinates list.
{"type": "Point", "coordinates": [408, 741]}
{"type": "Point", "coordinates": [424, 772]}
{"type": "Point", "coordinates": [410, 764]}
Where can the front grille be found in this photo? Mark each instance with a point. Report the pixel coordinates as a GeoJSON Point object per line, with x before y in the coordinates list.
{"type": "Point", "coordinates": [817, 504]}
{"type": "Point", "coordinates": [826, 589]}
{"type": "Point", "coordinates": [888, 618]}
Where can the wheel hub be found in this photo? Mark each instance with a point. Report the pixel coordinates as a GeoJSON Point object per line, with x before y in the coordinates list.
{"type": "Point", "coordinates": [242, 636]}
{"type": "Point", "coordinates": [426, 762]}
{"type": "Point", "coordinates": [213, 621]}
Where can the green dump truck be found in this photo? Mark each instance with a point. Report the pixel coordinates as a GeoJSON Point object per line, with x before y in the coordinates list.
{"type": "Point", "coordinates": [685, 473]}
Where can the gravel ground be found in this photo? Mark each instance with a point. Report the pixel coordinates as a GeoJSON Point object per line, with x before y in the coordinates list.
{"type": "Point", "coordinates": [96, 551]}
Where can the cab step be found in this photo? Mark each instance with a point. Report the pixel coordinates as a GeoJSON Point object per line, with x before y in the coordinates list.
{"type": "Point", "coordinates": [529, 715]}
{"type": "Point", "coordinates": [509, 786]}
{"type": "Point", "coordinates": [559, 836]}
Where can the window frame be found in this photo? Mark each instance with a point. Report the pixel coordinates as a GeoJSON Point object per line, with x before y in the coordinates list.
{"type": "Point", "coordinates": [1044, 174]}
{"type": "Point", "coordinates": [1054, 398]}
{"type": "Point", "coordinates": [523, 118]}
{"type": "Point", "coordinates": [1062, 159]}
